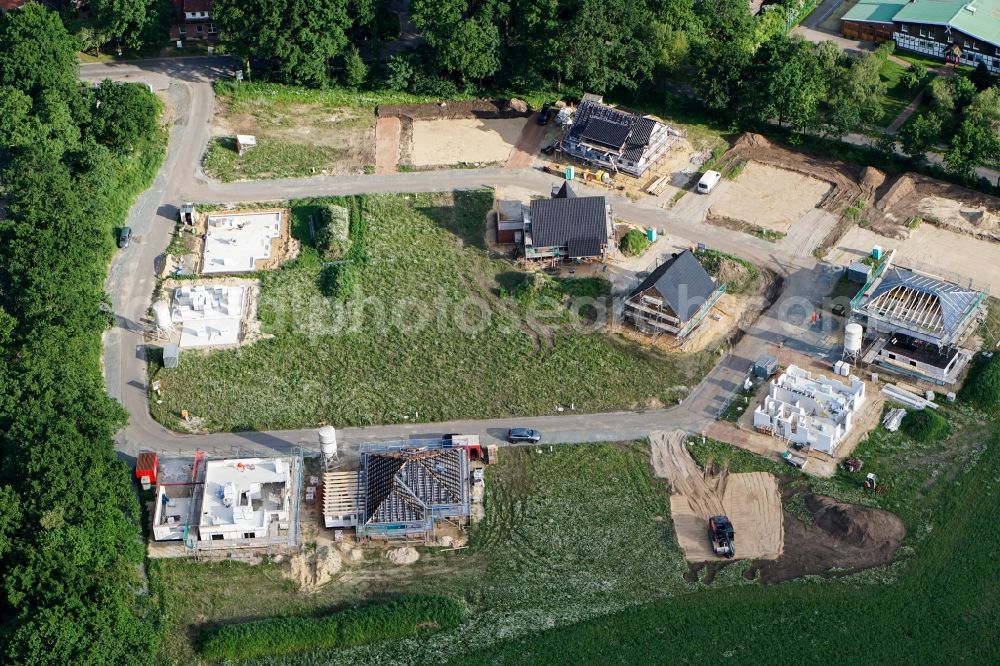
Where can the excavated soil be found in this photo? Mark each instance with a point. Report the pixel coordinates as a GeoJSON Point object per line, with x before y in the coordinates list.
{"type": "Point", "coordinates": [469, 108]}
{"type": "Point", "coordinates": [889, 205]}
{"type": "Point", "coordinates": [769, 197]}
{"type": "Point", "coordinates": [842, 539]}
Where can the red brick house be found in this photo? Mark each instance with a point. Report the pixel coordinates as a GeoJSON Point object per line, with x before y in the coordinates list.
{"type": "Point", "coordinates": [193, 20]}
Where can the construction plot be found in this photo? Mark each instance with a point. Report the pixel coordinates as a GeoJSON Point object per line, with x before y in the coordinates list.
{"type": "Point", "coordinates": [769, 198]}
{"type": "Point", "coordinates": [751, 501]}
{"type": "Point", "coordinates": [912, 198]}
{"type": "Point", "coordinates": [463, 140]}
{"type": "Point", "coordinates": [208, 313]}
{"type": "Point", "coordinates": [244, 241]}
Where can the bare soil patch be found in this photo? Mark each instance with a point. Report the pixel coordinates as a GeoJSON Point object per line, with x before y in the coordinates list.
{"type": "Point", "coordinates": [912, 198]}
{"type": "Point", "coordinates": [842, 539]}
{"type": "Point", "coordinates": [388, 131]}
{"type": "Point", "coordinates": [463, 140]}
{"type": "Point", "coordinates": [751, 501]}
{"type": "Point", "coordinates": [769, 197]}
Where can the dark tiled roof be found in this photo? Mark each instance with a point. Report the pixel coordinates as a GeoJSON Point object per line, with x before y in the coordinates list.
{"type": "Point", "coordinates": [557, 222]}
{"type": "Point", "coordinates": [945, 309]}
{"type": "Point", "coordinates": [197, 5]}
{"type": "Point", "coordinates": [565, 192]}
{"type": "Point", "coordinates": [577, 248]}
{"type": "Point", "coordinates": [683, 284]}
{"type": "Point", "coordinates": [607, 126]}
{"type": "Point", "coordinates": [606, 132]}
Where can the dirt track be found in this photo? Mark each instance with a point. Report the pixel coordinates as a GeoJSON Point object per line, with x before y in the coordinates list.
{"type": "Point", "coordinates": [523, 155]}
{"type": "Point", "coordinates": [751, 501]}
{"type": "Point", "coordinates": [387, 133]}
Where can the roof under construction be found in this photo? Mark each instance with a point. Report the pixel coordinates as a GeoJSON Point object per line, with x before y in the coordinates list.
{"type": "Point", "coordinates": [405, 488]}
{"type": "Point", "coordinates": [925, 306]}
{"type": "Point", "coordinates": [612, 129]}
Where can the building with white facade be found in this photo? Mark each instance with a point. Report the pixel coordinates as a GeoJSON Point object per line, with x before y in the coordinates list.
{"type": "Point", "coordinates": [812, 412]}
{"type": "Point", "coordinates": [246, 498]}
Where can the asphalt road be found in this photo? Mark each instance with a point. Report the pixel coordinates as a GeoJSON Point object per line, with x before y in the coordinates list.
{"type": "Point", "coordinates": [188, 84]}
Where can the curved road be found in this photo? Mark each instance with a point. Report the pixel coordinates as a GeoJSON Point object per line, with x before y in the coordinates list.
{"type": "Point", "coordinates": [188, 84]}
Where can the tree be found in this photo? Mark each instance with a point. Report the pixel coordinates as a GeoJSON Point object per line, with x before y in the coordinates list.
{"type": "Point", "coordinates": [920, 135]}
{"type": "Point", "coordinates": [942, 97]}
{"type": "Point", "coordinates": [721, 77]}
{"type": "Point", "coordinates": [788, 83]}
{"type": "Point", "coordinates": [981, 77]}
{"type": "Point", "coordinates": [855, 93]}
{"type": "Point", "coordinates": [123, 115]}
{"type": "Point", "coordinates": [18, 127]}
{"type": "Point", "coordinates": [36, 53]}
{"type": "Point", "coordinates": [913, 76]}
{"type": "Point", "coordinates": [984, 109]}
{"type": "Point", "coordinates": [306, 37]}
{"type": "Point", "coordinates": [971, 146]}
{"type": "Point", "coordinates": [122, 20]}
{"type": "Point", "coordinates": [964, 91]}
{"type": "Point", "coordinates": [464, 43]}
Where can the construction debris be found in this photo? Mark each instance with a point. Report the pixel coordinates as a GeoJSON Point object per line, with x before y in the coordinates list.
{"type": "Point", "coordinates": [893, 419]}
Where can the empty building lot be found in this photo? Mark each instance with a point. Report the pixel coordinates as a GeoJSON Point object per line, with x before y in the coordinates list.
{"type": "Point", "coordinates": [463, 140]}
{"type": "Point", "coordinates": [768, 197]}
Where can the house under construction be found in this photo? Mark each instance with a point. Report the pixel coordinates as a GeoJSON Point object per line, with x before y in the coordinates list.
{"type": "Point", "coordinates": [674, 298]}
{"type": "Point", "coordinates": [918, 324]}
{"type": "Point", "coordinates": [404, 488]}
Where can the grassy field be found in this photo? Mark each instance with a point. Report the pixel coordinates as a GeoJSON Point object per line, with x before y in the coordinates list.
{"type": "Point", "coordinates": [938, 604]}
{"type": "Point", "coordinates": [272, 158]}
{"type": "Point", "coordinates": [435, 329]}
{"type": "Point", "coordinates": [569, 534]}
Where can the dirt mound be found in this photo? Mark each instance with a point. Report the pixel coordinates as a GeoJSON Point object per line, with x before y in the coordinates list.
{"type": "Point", "coordinates": [518, 105]}
{"type": "Point", "coordinates": [872, 179]}
{"type": "Point", "coordinates": [402, 556]}
{"type": "Point", "coordinates": [901, 190]}
{"type": "Point", "coordinates": [841, 539]}
{"type": "Point", "coordinates": [732, 272]}
{"type": "Point", "coordinates": [749, 140]}
{"type": "Point", "coordinates": [859, 525]}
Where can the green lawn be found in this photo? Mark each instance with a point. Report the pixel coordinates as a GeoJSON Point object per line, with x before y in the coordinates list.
{"type": "Point", "coordinates": [938, 604]}
{"type": "Point", "coordinates": [431, 328]}
{"type": "Point", "coordinates": [569, 534]}
{"type": "Point", "coordinates": [272, 158]}
{"type": "Point", "coordinates": [576, 562]}
{"type": "Point", "coordinates": [898, 96]}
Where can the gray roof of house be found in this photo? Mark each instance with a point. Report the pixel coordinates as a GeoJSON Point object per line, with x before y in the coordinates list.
{"type": "Point", "coordinates": [682, 282]}
{"type": "Point", "coordinates": [565, 192]}
{"type": "Point", "coordinates": [557, 222]}
{"type": "Point", "coordinates": [953, 303]}
{"type": "Point", "coordinates": [614, 128]}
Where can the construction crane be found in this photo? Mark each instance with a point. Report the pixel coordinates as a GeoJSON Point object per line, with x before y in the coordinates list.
{"type": "Point", "coordinates": [721, 534]}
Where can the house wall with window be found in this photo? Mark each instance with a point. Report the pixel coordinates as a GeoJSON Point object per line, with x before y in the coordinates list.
{"type": "Point", "coordinates": [936, 40]}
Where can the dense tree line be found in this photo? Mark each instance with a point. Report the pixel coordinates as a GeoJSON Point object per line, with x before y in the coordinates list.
{"type": "Point", "coordinates": [70, 158]}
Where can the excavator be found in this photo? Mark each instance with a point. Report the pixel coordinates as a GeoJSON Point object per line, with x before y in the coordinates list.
{"type": "Point", "coordinates": [721, 534]}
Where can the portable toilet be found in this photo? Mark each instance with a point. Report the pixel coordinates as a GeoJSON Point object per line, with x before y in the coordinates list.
{"type": "Point", "coordinates": [570, 172]}
{"type": "Point", "coordinates": [877, 252]}
{"type": "Point", "coordinates": [651, 234]}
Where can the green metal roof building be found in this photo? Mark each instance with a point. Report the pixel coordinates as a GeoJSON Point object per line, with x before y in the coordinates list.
{"type": "Point", "coordinates": [964, 31]}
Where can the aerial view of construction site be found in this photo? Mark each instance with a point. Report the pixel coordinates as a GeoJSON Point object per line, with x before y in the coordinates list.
{"type": "Point", "coordinates": [383, 359]}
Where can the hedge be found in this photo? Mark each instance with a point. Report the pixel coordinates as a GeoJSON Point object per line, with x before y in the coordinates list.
{"type": "Point", "coordinates": [405, 617]}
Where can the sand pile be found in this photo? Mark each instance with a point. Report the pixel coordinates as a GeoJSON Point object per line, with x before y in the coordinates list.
{"type": "Point", "coordinates": [872, 179]}
{"type": "Point", "coordinates": [751, 141]}
{"type": "Point", "coordinates": [402, 556]}
{"type": "Point", "coordinates": [901, 190]}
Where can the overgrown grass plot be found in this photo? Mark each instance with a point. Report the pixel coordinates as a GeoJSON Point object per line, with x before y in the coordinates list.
{"type": "Point", "coordinates": [414, 325]}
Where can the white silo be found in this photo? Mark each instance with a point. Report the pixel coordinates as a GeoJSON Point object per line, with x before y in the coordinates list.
{"type": "Point", "coordinates": [328, 445]}
{"type": "Point", "coordinates": [161, 316]}
{"type": "Point", "coordinates": [853, 336]}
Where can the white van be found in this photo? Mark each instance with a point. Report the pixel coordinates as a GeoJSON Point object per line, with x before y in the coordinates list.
{"type": "Point", "coordinates": [708, 181]}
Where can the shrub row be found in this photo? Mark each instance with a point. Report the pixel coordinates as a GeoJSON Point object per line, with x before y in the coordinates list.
{"type": "Point", "coordinates": [405, 617]}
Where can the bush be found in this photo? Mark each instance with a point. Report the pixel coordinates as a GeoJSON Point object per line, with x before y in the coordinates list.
{"type": "Point", "coordinates": [333, 231]}
{"type": "Point", "coordinates": [982, 388]}
{"type": "Point", "coordinates": [925, 425]}
{"type": "Point", "coordinates": [633, 243]}
{"type": "Point", "coordinates": [408, 616]}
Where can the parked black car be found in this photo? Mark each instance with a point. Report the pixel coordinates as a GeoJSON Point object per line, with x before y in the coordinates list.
{"type": "Point", "coordinates": [124, 236]}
